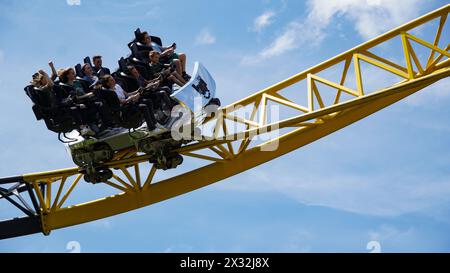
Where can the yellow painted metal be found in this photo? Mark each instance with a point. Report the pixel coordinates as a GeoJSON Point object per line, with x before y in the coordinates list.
{"type": "Point", "coordinates": [309, 125]}
{"type": "Point", "coordinates": [137, 174]}
{"type": "Point", "coordinates": [69, 191]}
{"type": "Point", "coordinates": [437, 37]}
{"type": "Point", "coordinates": [407, 56]}
{"type": "Point", "coordinates": [335, 85]}
{"type": "Point", "coordinates": [359, 81]}
{"type": "Point", "coordinates": [121, 181]}
{"type": "Point", "coordinates": [281, 100]}
{"type": "Point", "coordinates": [58, 194]}
{"type": "Point", "coordinates": [203, 157]}
{"type": "Point", "coordinates": [393, 70]}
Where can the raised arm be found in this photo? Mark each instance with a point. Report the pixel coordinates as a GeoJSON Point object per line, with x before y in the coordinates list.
{"type": "Point", "coordinates": [52, 67]}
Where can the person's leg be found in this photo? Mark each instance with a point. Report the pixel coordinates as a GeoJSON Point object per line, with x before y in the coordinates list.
{"type": "Point", "coordinates": [86, 119]}
{"type": "Point", "coordinates": [178, 67]}
{"type": "Point", "coordinates": [182, 58]}
{"type": "Point", "coordinates": [178, 76]}
{"type": "Point", "coordinates": [175, 80]}
{"type": "Point", "coordinates": [147, 110]}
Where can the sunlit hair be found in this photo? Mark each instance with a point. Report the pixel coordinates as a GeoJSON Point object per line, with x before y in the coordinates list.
{"type": "Point", "coordinates": [65, 73]}
{"type": "Point", "coordinates": [37, 79]}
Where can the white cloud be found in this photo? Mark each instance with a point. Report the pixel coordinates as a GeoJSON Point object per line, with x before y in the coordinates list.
{"type": "Point", "coordinates": [1, 56]}
{"type": "Point", "coordinates": [284, 42]}
{"type": "Point", "coordinates": [205, 37]}
{"type": "Point", "coordinates": [263, 21]}
{"type": "Point", "coordinates": [387, 194]}
{"type": "Point", "coordinates": [295, 35]}
{"type": "Point", "coordinates": [73, 2]}
{"type": "Point", "coordinates": [101, 224]}
{"type": "Point", "coordinates": [387, 232]}
{"type": "Point", "coordinates": [431, 96]}
{"type": "Point", "coordinates": [370, 18]}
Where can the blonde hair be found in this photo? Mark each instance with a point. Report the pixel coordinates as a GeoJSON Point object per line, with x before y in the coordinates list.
{"type": "Point", "coordinates": [38, 77]}
{"type": "Point", "coordinates": [36, 80]}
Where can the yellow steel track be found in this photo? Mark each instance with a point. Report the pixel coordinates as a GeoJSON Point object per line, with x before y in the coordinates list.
{"type": "Point", "coordinates": [232, 148]}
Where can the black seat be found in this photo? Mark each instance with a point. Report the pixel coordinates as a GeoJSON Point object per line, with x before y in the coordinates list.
{"type": "Point", "coordinates": [78, 71]}
{"type": "Point", "coordinates": [137, 34]}
{"type": "Point", "coordinates": [128, 83]}
{"type": "Point", "coordinates": [127, 116]}
{"type": "Point", "coordinates": [131, 84]}
{"type": "Point", "coordinates": [141, 67]}
{"type": "Point", "coordinates": [58, 118]}
{"type": "Point", "coordinates": [80, 75]}
{"type": "Point", "coordinates": [140, 52]}
{"type": "Point", "coordinates": [156, 40]}
{"type": "Point", "coordinates": [87, 60]}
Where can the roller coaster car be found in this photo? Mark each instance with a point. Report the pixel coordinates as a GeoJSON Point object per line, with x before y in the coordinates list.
{"type": "Point", "coordinates": [195, 101]}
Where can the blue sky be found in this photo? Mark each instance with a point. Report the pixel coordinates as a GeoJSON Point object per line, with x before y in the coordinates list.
{"type": "Point", "coordinates": [386, 178]}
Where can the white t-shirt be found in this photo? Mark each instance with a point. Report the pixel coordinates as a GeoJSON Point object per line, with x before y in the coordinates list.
{"type": "Point", "coordinates": [120, 92]}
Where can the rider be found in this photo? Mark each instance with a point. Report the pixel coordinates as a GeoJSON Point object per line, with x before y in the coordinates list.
{"type": "Point", "coordinates": [53, 99]}
{"type": "Point", "coordinates": [156, 68]}
{"type": "Point", "coordinates": [154, 90]}
{"type": "Point", "coordinates": [86, 97]}
{"type": "Point", "coordinates": [88, 74]}
{"type": "Point", "coordinates": [132, 98]}
{"type": "Point", "coordinates": [168, 55]}
{"type": "Point", "coordinates": [98, 68]}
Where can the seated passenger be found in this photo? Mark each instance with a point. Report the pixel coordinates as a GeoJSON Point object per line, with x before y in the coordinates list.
{"type": "Point", "coordinates": [98, 68]}
{"type": "Point", "coordinates": [124, 97]}
{"type": "Point", "coordinates": [134, 73]}
{"type": "Point", "coordinates": [93, 107]}
{"type": "Point", "coordinates": [168, 55]}
{"type": "Point", "coordinates": [42, 82]}
{"type": "Point", "coordinates": [88, 74]}
{"type": "Point", "coordinates": [156, 68]}
{"type": "Point", "coordinates": [154, 90]}
{"type": "Point", "coordinates": [68, 78]}
{"type": "Point", "coordinates": [152, 84]}
{"type": "Point", "coordinates": [129, 99]}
